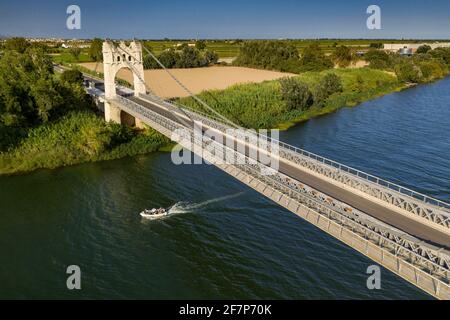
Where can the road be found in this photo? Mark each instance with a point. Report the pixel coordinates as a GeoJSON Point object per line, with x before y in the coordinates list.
{"type": "Point", "coordinates": [361, 203]}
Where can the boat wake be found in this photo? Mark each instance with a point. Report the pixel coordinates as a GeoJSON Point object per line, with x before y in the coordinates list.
{"type": "Point", "coordinates": [185, 207]}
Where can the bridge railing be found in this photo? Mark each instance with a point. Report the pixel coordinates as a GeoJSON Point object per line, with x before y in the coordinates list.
{"type": "Point", "coordinates": [292, 152]}
{"type": "Point", "coordinates": [418, 253]}
{"type": "Point", "coordinates": [435, 261]}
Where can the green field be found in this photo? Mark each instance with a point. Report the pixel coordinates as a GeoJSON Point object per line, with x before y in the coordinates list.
{"type": "Point", "coordinates": [66, 57]}
{"type": "Point", "coordinates": [230, 48]}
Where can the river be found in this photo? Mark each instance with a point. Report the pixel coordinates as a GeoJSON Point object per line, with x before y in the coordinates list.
{"type": "Point", "coordinates": [228, 241]}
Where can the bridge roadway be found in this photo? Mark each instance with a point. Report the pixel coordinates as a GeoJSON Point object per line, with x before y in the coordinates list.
{"type": "Point", "coordinates": [374, 209]}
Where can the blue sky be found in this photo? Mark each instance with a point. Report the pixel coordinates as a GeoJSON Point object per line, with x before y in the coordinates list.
{"type": "Point", "coordinates": [226, 19]}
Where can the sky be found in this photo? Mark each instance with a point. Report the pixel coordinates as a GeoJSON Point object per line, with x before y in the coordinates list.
{"type": "Point", "coordinates": [192, 19]}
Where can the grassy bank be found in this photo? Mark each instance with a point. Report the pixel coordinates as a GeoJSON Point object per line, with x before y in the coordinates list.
{"type": "Point", "coordinates": [262, 106]}
{"type": "Point", "coordinates": [80, 136]}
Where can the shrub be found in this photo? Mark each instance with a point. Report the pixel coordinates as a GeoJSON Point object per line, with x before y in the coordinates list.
{"type": "Point", "coordinates": [72, 76]}
{"type": "Point", "coordinates": [376, 45]}
{"type": "Point", "coordinates": [188, 57]}
{"type": "Point", "coordinates": [327, 86]}
{"type": "Point", "coordinates": [377, 59]}
{"type": "Point", "coordinates": [296, 94]}
{"type": "Point", "coordinates": [95, 50]}
{"type": "Point", "coordinates": [442, 54]}
{"type": "Point", "coordinates": [407, 71]}
{"type": "Point", "coordinates": [169, 58]}
{"type": "Point", "coordinates": [17, 44]}
{"type": "Point", "coordinates": [272, 55]}
{"type": "Point", "coordinates": [343, 56]}
{"type": "Point", "coordinates": [313, 59]}
{"type": "Point", "coordinates": [432, 70]}
{"type": "Point", "coordinates": [423, 49]}
{"type": "Point", "coordinates": [211, 57]}
{"type": "Point", "coordinates": [200, 45]}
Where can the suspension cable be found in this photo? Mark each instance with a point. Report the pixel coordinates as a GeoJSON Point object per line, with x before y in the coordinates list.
{"type": "Point", "coordinates": [191, 94]}
{"type": "Point", "coordinates": [132, 68]}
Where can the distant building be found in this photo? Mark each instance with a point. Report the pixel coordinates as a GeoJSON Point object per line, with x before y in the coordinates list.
{"type": "Point", "coordinates": [406, 51]}
{"type": "Point", "coordinates": [397, 47]}
{"type": "Point", "coordinates": [188, 44]}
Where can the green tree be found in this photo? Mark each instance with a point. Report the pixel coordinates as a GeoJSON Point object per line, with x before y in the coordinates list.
{"type": "Point", "coordinates": [377, 59]}
{"type": "Point", "coordinates": [442, 54]}
{"type": "Point", "coordinates": [169, 58]}
{"type": "Point", "coordinates": [211, 57]}
{"type": "Point", "coordinates": [95, 50]}
{"type": "Point", "coordinates": [407, 71]}
{"type": "Point", "coordinates": [272, 55]}
{"type": "Point", "coordinates": [200, 45]}
{"type": "Point", "coordinates": [75, 52]}
{"type": "Point", "coordinates": [17, 44]}
{"type": "Point", "coordinates": [376, 45]}
{"type": "Point", "coordinates": [328, 85]}
{"type": "Point", "coordinates": [296, 94]}
{"type": "Point", "coordinates": [423, 48]}
{"type": "Point", "coordinates": [72, 76]}
{"type": "Point", "coordinates": [343, 56]}
{"type": "Point", "coordinates": [313, 59]}
{"type": "Point", "coordinates": [190, 58]}
{"type": "Point", "coordinates": [30, 94]}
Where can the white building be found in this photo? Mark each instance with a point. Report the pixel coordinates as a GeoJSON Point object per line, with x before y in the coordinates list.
{"type": "Point", "coordinates": [395, 47]}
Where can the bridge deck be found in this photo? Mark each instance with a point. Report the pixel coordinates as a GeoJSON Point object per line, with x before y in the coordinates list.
{"type": "Point", "coordinates": [375, 209]}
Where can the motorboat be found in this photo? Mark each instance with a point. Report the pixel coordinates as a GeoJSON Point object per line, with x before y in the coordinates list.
{"type": "Point", "coordinates": [154, 213]}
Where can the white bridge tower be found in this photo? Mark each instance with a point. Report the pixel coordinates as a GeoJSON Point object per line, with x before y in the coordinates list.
{"type": "Point", "coordinates": [114, 59]}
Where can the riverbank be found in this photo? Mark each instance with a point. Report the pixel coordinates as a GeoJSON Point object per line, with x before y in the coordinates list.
{"type": "Point", "coordinates": [261, 105]}
{"type": "Point", "coordinates": [83, 136]}
{"type": "Point", "coordinates": [78, 137]}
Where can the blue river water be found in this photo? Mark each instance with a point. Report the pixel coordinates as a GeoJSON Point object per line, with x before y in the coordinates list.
{"type": "Point", "coordinates": [227, 241]}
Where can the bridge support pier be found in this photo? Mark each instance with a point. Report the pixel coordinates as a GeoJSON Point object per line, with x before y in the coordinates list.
{"type": "Point", "coordinates": [112, 113]}
{"type": "Point", "coordinates": [139, 123]}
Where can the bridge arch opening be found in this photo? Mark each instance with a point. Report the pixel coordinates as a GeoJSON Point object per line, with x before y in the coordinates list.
{"type": "Point", "coordinates": [123, 62]}
{"type": "Point", "coordinates": [124, 77]}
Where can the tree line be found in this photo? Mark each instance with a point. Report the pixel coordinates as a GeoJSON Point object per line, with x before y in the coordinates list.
{"type": "Point", "coordinates": [423, 66]}
{"type": "Point", "coordinates": [183, 57]}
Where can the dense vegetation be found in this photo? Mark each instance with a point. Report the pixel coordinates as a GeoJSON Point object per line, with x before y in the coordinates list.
{"type": "Point", "coordinates": [424, 66]}
{"type": "Point", "coordinates": [30, 94]}
{"type": "Point", "coordinates": [282, 56]}
{"type": "Point", "coordinates": [282, 103]}
{"type": "Point", "coordinates": [47, 120]}
{"type": "Point", "coordinates": [185, 57]}
{"type": "Point", "coordinates": [76, 137]}
{"type": "Point", "coordinates": [272, 55]}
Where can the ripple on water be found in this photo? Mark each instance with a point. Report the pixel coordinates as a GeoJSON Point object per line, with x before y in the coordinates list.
{"type": "Point", "coordinates": [239, 247]}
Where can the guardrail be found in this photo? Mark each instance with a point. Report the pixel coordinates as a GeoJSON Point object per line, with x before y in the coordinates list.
{"type": "Point", "coordinates": [295, 151]}
{"type": "Point", "coordinates": [425, 257]}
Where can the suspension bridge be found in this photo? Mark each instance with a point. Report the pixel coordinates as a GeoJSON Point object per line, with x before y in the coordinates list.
{"type": "Point", "coordinates": [398, 228]}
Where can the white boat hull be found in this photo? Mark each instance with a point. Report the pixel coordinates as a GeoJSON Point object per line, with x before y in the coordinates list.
{"type": "Point", "coordinates": [153, 216]}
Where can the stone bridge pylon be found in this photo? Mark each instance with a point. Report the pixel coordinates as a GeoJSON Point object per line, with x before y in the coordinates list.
{"type": "Point", "coordinates": [116, 58]}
